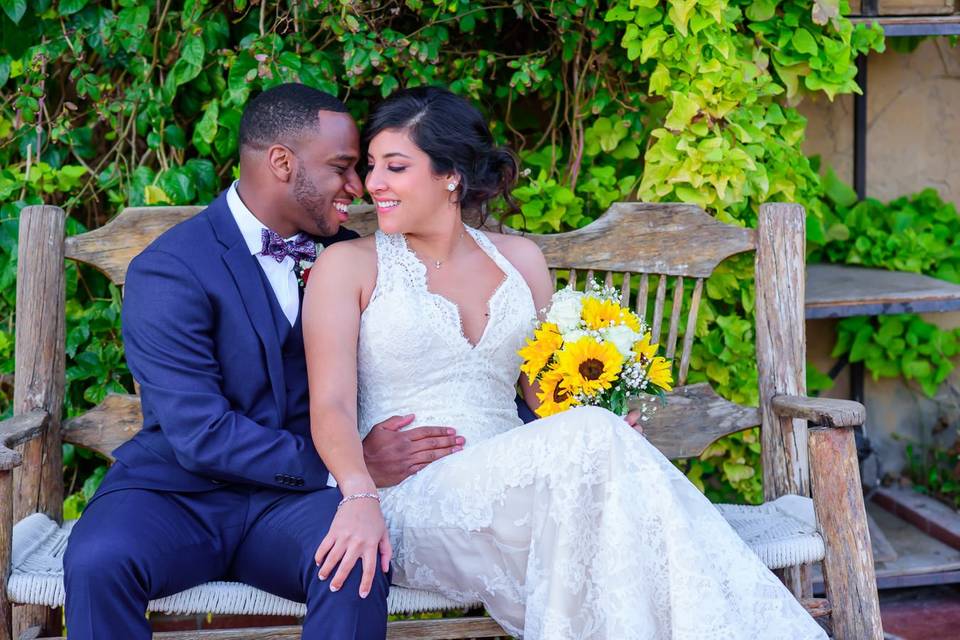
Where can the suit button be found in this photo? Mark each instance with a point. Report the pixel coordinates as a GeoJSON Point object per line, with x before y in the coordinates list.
{"type": "Point", "coordinates": [279, 478]}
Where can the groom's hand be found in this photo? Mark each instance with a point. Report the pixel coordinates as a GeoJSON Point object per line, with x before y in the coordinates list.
{"type": "Point", "coordinates": [392, 455]}
{"type": "Point", "coordinates": [633, 419]}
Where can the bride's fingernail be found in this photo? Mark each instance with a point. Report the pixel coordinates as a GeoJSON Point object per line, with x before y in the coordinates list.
{"type": "Point", "coordinates": [450, 432]}
{"type": "Point", "coordinates": [333, 588]}
{"type": "Point", "coordinates": [460, 440]}
{"type": "Point", "coordinates": [364, 594]}
{"type": "Point", "coordinates": [321, 576]}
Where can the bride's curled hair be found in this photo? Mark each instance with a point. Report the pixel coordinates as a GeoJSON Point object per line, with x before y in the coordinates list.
{"type": "Point", "coordinates": [455, 136]}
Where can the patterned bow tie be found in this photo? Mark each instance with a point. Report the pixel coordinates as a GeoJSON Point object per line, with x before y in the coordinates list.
{"type": "Point", "coordinates": [302, 247]}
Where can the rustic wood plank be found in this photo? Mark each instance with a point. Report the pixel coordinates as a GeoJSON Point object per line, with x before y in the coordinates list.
{"type": "Point", "coordinates": [110, 248]}
{"type": "Point", "coordinates": [880, 546]}
{"type": "Point", "coordinates": [816, 607]}
{"type": "Point", "coordinates": [588, 283]}
{"type": "Point", "coordinates": [23, 428]}
{"type": "Point", "coordinates": [572, 282]}
{"type": "Point", "coordinates": [848, 563]}
{"type": "Point", "coordinates": [445, 629]}
{"type": "Point", "coordinates": [646, 237]}
{"type": "Point", "coordinates": [690, 332]}
{"type": "Point", "coordinates": [926, 513]}
{"type": "Point", "coordinates": [906, 7]}
{"type": "Point", "coordinates": [781, 345]}
{"type": "Point", "coordinates": [781, 357]}
{"type": "Point", "coordinates": [108, 425]}
{"type": "Point", "coordinates": [675, 318]}
{"type": "Point", "coordinates": [625, 291]}
{"type": "Point", "coordinates": [643, 294]}
{"type": "Point", "coordinates": [825, 412]}
{"type": "Point", "coordinates": [693, 418]}
{"type": "Point", "coordinates": [438, 629]}
{"type": "Point", "coordinates": [39, 383]}
{"type": "Point", "coordinates": [608, 279]}
{"type": "Point", "coordinates": [6, 545]}
{"type": "Point", "coordinates": [658, 309]}
{"type": "Point", "coordinates": [838, 291]}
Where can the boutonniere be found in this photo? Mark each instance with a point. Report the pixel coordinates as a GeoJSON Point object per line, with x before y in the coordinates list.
{"type": "Point", "coordinates": [302, 267]}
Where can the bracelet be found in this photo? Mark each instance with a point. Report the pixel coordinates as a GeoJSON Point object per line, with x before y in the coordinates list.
{"type": "Point", "coordinates": [357, 496]}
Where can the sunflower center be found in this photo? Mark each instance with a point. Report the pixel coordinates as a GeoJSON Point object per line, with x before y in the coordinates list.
{"type": "Point", "coordinates": [591, 369]}
{"type": "Point", "coordinates": [559, 395]}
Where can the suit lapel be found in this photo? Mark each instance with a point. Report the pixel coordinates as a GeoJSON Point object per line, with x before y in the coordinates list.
{"type": "Point", "coordinates": [244, 270]}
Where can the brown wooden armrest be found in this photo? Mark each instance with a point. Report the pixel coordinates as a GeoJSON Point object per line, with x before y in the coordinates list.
{"type": "Point", "coordinates": [17, 430]}
{"type": "Point", "coordinates": [826, 412]}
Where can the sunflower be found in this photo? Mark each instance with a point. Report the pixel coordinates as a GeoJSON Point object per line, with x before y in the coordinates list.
{"type": "Point", "coordinates": [589, 366]}
{"type": "Point", "coordinates": [539, 350]}
{"type": "Point", "coordinates": [659, 373]}
{"type": "Point", "coordinates": [552, 394]}
{"type": "Point", "coordinates": [599, 314]}
{"type": "Point", "coordinates": [643, 351]}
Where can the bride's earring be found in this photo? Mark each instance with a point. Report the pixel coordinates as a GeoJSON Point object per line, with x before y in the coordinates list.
{"type": "Point", "coordinates": [452, 186]}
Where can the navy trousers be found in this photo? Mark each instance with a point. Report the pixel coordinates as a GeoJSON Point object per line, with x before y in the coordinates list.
{"type": "Point", "coordinates": [133, 545]}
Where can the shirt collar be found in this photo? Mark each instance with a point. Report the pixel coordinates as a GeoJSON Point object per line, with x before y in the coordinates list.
{"type": "Point", "coordinates": [250, 226]}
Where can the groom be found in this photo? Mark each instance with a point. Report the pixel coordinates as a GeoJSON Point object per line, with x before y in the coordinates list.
{"type": "Point", "coordinates": [223, 481]}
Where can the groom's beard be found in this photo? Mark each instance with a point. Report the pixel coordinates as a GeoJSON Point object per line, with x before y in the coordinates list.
{"type": "Point", "coordinates": [313, 202]}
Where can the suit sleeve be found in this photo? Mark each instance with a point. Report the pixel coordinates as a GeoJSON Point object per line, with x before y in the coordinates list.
{"type": "Point", "coordinates": [168, 329]}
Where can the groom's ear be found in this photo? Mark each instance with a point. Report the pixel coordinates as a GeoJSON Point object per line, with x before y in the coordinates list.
{"type": "Point", "coordinates": [281, 162]}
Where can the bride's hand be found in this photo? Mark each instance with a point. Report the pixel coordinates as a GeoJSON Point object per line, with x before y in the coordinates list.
{"type": "Point", "coordinates": [633, 419]}
{"type": "Point", "coordinates": [358, 531]}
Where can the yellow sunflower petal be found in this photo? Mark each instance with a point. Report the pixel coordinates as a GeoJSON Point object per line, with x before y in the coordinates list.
{"type": "Point", "coordinates": [540, 349]}
{"type": "Point", "coordinates": [553, 396]}
{"type": "Point", "coordinates": [588, 366]}
{"type": "Point", "coordinates": [660, 373]}
{"type": "Point", "coordinates": [598, 314]}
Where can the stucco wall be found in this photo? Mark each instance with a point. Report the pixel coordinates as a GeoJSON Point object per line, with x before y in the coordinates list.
{"type": "Point", "coordinates": [913, 141]}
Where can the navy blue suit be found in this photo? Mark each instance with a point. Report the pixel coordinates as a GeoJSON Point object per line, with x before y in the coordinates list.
{"type": "Point", "coordinates": [223, 481]}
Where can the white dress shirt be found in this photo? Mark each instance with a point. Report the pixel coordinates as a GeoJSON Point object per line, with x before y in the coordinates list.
{"type": "Point", "coordinates": [279, 274]}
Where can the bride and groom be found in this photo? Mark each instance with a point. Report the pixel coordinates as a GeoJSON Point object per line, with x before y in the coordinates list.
{"type": "Point", "coordinates": [403, 460]}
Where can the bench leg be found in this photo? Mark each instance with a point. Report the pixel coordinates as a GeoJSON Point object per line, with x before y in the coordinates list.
{"type": "Point", "coordinates": [848, 562]}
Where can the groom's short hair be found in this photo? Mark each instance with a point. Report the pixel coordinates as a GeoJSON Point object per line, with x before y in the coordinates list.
{"type": "Point", "coordinates": [282, 112]}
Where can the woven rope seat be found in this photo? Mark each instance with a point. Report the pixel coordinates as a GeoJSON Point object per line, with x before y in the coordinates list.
{"type": "Point", "coordinates": [782, 533]}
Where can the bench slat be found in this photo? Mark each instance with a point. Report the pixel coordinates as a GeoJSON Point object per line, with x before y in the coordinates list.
{"type": "Point", "coordinates": [693, 417]}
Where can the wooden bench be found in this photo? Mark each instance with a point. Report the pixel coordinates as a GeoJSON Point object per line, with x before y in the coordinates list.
{"type": "Point", "coordinates": [659, 254]}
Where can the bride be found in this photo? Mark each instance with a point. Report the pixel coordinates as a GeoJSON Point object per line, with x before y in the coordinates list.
{"type": "Point", "coordinates": [570, 527]}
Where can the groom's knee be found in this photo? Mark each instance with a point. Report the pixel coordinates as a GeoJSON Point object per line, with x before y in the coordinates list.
{"type": "Point", "coordinates": [95, 561]}
{"type": "Point", "coordinates": [349, 594]}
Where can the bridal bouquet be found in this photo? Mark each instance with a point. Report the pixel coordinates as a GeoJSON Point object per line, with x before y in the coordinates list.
{"type": "Point", "coordinates": [592, 351]}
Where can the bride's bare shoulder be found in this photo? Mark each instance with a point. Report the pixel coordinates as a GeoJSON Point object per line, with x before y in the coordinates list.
{"type": "Point", "coordinates": [525, 255]}
{"type": "Point", "coordinates": [521, 251]}
{"type": "Point", "coordinates": [356, 256]}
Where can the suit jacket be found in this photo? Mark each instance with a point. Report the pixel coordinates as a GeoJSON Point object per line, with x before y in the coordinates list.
{"type": "Point", "coordinates": [201, 340]}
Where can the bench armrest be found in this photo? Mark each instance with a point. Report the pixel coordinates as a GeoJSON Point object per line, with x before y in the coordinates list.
{"type": "Point", "coordinates": [18, 430]}
{"type": "Point", "coordinates": [826, 412]}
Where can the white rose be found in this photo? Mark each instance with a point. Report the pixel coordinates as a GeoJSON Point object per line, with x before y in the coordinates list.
{"type": "Point", "coordinates": [572, 336]}
{"type": "Point", "coordinates": [622, 337]}
{"type": "Point", "coordinates": [565, 309]}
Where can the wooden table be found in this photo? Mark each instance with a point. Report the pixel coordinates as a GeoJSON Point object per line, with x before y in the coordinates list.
{"type": "Point", "coordinates": [840, 291]}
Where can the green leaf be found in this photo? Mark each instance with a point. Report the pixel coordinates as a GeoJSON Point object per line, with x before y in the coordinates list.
{"type": "Point", "coordinates": [762, 10]}
{"type": "Point", "coordinates": [804, 42]}
{"type": "Point", "coordinates": [67, 7]}
{"type": "Point", "coordinates": [683, 110]}
{"type": "Point", "coordinates": [14, 9]}
{"type": "Point", "coordinates": [838, 191]}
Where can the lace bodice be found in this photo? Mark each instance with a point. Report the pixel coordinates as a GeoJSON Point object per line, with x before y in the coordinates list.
{"type": "Point", "coordinates": [414, 358]}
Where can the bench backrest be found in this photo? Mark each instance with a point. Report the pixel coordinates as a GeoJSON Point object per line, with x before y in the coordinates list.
{"type": "Point", "coordinates": [657, 254]}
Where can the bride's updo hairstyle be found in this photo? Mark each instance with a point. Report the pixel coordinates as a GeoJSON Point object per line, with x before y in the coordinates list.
{"type": "Point", "coordinates": [455, 136]}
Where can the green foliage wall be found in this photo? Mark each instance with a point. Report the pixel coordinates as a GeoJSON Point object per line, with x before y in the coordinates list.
{"type": "Point", "coordinates": [109, 104]}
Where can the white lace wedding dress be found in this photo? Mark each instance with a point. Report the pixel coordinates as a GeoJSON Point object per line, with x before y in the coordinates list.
{"type": "Point", "coordinates": [571, 527]}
